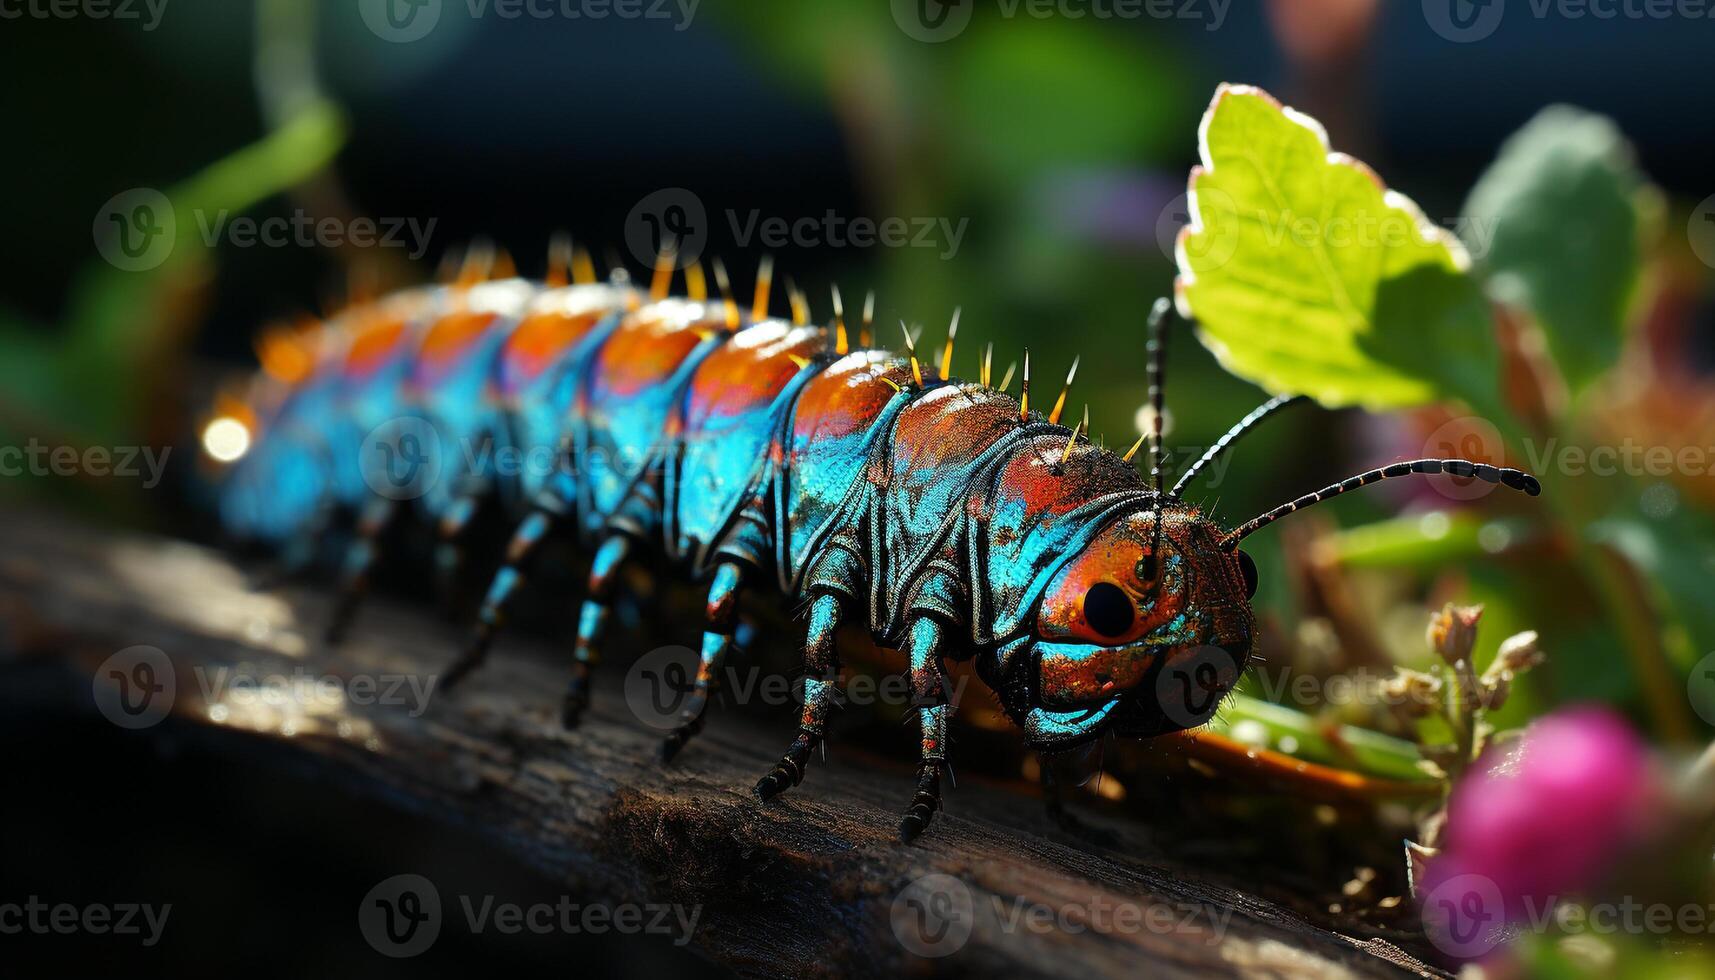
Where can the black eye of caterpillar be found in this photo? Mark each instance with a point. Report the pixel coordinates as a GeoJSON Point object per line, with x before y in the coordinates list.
{"type": "Point", "coordinates": [1248, 568]}
{"type": "Point", "coordinates": [1146, 569]}
{"type": "Point", "coordinates": [1108, 609]}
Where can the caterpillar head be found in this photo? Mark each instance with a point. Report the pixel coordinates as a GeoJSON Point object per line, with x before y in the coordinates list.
{"type": "Point", "coordinates": [1141, 631]}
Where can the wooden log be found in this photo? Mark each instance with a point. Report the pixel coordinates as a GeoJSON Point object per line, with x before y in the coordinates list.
{"type": "Point", "coordinates": [815, 884]}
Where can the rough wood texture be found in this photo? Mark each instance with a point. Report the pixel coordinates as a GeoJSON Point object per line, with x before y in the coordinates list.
{"type": "Point", "coordinates": [804, 886]}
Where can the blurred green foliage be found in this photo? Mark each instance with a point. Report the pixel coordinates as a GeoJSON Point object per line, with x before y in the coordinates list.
{"type": "Point", "coordinates": [1556, 226]}
{"type": "Point", "coordinates": [85, 381]}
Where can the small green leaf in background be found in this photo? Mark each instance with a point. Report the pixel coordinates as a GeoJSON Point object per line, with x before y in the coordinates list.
{"type": "Point", "coordinates": [1554, 223]}
{"type": "Point", "coordinates": [1344, 747]}
{"type": "Point", "coordinates": [1307, 275]}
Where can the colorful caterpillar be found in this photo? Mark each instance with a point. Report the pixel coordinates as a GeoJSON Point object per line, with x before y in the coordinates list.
{"type": "Point", "coordinates": [956, 522]}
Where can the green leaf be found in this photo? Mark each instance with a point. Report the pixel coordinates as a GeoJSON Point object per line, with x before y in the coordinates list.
{"type": "Point", "coordinates": [1554, 223]}
{"type": "Point", "coordinates": [1307, 275]}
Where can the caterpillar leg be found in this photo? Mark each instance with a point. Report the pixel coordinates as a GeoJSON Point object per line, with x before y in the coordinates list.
{"type": "Point", "coordinates": [821, 694]}
{"type": "Point", "coordinates": [531, 532]}
{"type": "Point", "coordinates": [592, 623]}
{"type": "Point", "coordinates": [359, 561]}
{"type": "Point", "coordinates": [929, 694]}
{"type": "Point", "coordinates": [720, 616]}
{"type": "Point", "coordinates": [449, 548]}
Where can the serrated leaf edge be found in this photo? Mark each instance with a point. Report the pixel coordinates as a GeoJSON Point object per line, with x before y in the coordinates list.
{"type": "Point", "coordinates": [1429, 230]}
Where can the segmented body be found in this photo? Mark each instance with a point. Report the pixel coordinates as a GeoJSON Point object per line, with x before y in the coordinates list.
{"type": "Point", "coordinates": [950, 520]}
{"type": "Point", "coordinates": [760, 448]}
{"type": "Point", "coordinates": [758, 445]}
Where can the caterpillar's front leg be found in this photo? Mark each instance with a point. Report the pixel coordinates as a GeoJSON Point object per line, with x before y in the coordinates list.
{"type": "Point", "coordinates": [720, 616]}
{"type": "Point", "coordinates": [592, 623]}
{"type": "Point", "coordinates": [924, 641]}
{"type": "Point", "coordinates": [821, 694]}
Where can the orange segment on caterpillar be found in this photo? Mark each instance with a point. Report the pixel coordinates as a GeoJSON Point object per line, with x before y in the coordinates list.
{"type": "Point", "coordinates": [947, 518]}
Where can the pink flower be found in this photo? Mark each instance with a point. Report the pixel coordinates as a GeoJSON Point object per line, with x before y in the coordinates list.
{"type": "Point", "coordinates": [1551, 812]}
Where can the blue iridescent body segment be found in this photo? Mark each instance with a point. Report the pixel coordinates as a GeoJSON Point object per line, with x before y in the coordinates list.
{"type": "Point", "coordinates": [544, 362]}
{"type": "Point", "coordinates": [630, 407]}
{"type": "Point", "coordinates": [448, 384]}
{"type": "Point", "coordinates": [734, 411]}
